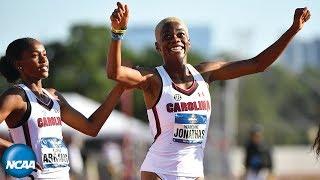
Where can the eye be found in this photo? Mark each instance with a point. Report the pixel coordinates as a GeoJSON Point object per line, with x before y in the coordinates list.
{"type": "Point", "coordinates": [34, 55]}
{"type": "Point", "coordinates": [167, 36]}
{"type": "Point", "coordinates": [181, 34]}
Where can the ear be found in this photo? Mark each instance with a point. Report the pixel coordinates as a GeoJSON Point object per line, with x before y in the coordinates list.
{"type": "Point", "coordinates": [17, 65]}
{"type": "Point", "coordinates": [157, 47]}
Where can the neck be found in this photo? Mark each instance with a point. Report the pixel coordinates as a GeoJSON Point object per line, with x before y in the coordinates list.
{"type": "Point", "coordinates": [35, 86]}
{"type": "Point", "coordinates": [177, 73]}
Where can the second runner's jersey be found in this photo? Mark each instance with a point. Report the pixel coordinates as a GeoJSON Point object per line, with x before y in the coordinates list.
{"type": "Point", "coordinates": [42, 131]}
{"type": "Point", "coordinates": [179, 124]}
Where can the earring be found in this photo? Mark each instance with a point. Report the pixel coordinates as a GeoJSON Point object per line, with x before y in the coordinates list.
{"type": "Point", "coordinates": [20, 68]}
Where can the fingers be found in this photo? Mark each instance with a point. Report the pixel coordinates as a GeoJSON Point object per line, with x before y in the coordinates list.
{"type": "Point", "coordinates": [126, 12]}
{"type": "Point", "coordinates": [300, 11]}
{"type": "Point", "coordinates": [121, 6]}
{"type": "Point", "coordinates": [116, 16]}
{"type": "Point", "coordinates": [306, 15]}
{"type": "Point", "coordinates": [302, 14]}
{"type": "Point", "coordinates": [120, 12]}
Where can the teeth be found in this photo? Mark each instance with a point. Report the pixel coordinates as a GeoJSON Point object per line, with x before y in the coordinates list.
{"type": "Point", "coordinates": [178, 48]}
{"type": "Point", "coordinates": [44, 68]}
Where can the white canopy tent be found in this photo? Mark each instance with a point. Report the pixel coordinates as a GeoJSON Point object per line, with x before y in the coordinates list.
{"type": "Point", "coordinates": [118, 124]}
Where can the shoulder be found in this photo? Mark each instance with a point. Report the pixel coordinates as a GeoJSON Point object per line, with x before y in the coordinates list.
{"type": "Point", "coordinates": [209, 65]}
{"type": "Point", "coordinates": [14, 93]}
{"type": "Point", "coordinates": [13, 97]}
{"type": "Point", "coordinates": [56, 95]}
{"type": "Point", "coordinates": [53, 92]}
{"type": "Point", "coordinates": [209, 69]}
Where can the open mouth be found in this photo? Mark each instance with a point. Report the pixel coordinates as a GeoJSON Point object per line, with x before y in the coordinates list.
{"type": "Point", "coordinates": [177, 49]}
{"type": "Point", "coordinates": [44, 69]}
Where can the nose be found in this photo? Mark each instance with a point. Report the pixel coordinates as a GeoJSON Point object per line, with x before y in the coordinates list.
{"type": "Point", "coordinates": [175, 38]}
{"type": "Point", "coordinates": [43, 59]}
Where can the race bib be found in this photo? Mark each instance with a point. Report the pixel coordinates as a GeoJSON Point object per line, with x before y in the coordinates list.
{"type": "Point", "coordinates": [54, 153]}
{"type": "Point", "coordinates": [189, 128]}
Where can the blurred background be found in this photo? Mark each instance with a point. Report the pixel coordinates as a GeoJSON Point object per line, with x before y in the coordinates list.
{"type": "Point", "coordinates": [284, 101]}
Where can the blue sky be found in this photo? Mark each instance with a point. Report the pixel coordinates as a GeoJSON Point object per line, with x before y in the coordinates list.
{"type": "Point", "coordinates": [244, 26]}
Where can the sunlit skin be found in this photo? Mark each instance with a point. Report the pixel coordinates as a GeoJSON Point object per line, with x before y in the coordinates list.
{"type": "Point", "coordinates": [35, 63]}
{"type": "Point", "coordinates": [173, 44]}
{"type": "Point", "coordinates": [33, 67]}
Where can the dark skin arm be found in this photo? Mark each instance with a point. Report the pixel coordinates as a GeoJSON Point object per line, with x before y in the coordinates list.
{"type": "Point", "coordinates": [12, 100]}
{"type": "Point", "coordinates": [114, 69]}
{"type": "Point", "coordinates": [145, 79]}
{"type": "Point", "coordinates": [12, 103]}
{"type": "Point", "coordinates": [13, 107]}
{"type": "Point", "coordinates": [92, 125]}
{"type": "Point", "coordinates": [222, 70]}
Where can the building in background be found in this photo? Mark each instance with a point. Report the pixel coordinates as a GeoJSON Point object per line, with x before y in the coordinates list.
{"type": "Point", "coordinates": [300, 54]}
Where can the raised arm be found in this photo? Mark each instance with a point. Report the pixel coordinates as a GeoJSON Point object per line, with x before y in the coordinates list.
{"type": "Point", "coordinates": [115, 71]}
{"type": "Point", "coordinates": [228, 70]}
{"type": "Point", "coordinates": [93, 124]}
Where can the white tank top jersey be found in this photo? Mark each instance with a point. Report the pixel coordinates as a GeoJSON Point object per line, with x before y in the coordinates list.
{"type": "Point", "coordinates": [179, 123]}
{"type": "Point", "coordinates": [41, 129]}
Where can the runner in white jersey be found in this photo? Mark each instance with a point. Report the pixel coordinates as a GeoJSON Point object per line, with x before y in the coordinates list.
{"type": "Point", "coordinates": [34, 114]}
{"type": "Point", "coordinates": [174, 155]}
{"type": "Point", "coordinates": [179, 124]}
{"type": "Point", "coordinates": [42, 131]}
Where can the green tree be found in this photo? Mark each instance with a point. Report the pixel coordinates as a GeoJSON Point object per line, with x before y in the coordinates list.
{"type": "Point", "coordinates": [281, 102]}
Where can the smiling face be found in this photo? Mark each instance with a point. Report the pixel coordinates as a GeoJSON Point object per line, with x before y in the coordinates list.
{"type": "Point", "coordinates": [34, 63]}
{"type": "Point", "coordinates": [173, 41]}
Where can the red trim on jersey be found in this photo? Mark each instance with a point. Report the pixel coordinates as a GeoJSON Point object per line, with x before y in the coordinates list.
{"type": "Point", "coordinates": [156, 117]}
{"type": "Point", "coordinates": [188, 91]}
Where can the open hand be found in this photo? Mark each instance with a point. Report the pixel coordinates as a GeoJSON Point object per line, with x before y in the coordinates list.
{"type": "Point", "coordinates": [120, 16]}
{"type": "Point", "coordinates": [301, 15]}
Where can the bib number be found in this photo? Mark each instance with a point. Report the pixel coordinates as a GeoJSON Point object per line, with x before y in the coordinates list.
{"type": "Point", "coordinates": [189, 128]}
{"type": "Point", "coordinates": [54, 153]}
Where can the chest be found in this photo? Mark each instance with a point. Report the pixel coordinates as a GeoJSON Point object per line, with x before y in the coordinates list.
{"type": "Point", "coordinates": [174, 100]}
{"type": "Point", "coordinates": [44, 117]}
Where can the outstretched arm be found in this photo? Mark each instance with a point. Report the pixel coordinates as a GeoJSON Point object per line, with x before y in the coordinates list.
{"type": "Point", "coordinates": [93, 124]}
{"type": "Point", "coordinates": [228, 70]}
{"type": "Point", "coordinates": [115, 71]}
